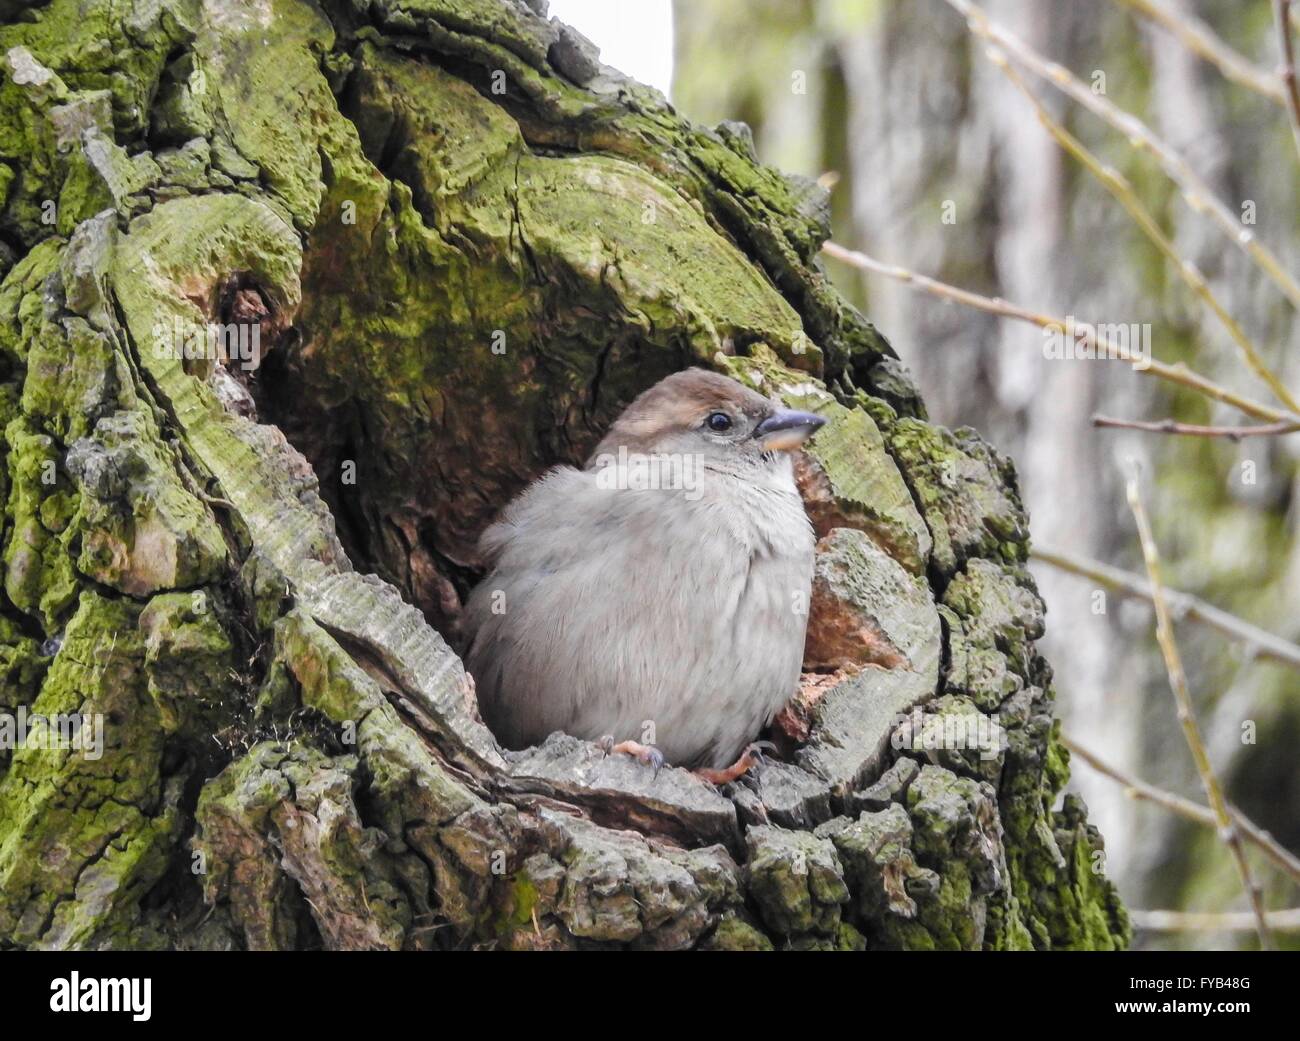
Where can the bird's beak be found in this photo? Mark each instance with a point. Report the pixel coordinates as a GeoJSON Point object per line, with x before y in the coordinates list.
{"type": "Point", "coordinates": [785, 430]}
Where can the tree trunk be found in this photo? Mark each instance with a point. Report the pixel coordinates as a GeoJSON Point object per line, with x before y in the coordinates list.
{"type": "Point", "coordinates": [455, 246]}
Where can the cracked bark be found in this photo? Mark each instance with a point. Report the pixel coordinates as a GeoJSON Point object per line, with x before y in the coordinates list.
{"type": "Point", "coordinates": [466, 245]}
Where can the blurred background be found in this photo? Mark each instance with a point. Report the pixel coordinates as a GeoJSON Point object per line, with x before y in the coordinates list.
{"type": "Point", "coordinates": [939, 165]}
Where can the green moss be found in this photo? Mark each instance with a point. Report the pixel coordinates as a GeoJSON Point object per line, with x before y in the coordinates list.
{"type": "Point", "coordinates": [22, 669]}
{"type": "Point", "coordinates": [75, 376]}
{"type": "Point", "coordinates": [39, 574]}
{"type": "Point", "coordinates": [140, 527]}
{"type": "Point", "coordinates": [797, 881]}
{"type": "Point", "coordinates": [268, 87]}
{"type": "Point", "coordinates": [83, 838]}
{"type": "Point", "coordinates": [1057, 893]}
{"type": "Point", "coordinates": [522, 899]}
{"type": "Point", "coordinates": [966, 492]}
{"type": "Point", "coordinates": [408, 783]}
{"type": "Point", "coordinates": [113, 51]}
{"type": "Point", "coordinates": [649, 266]}
{"type": "Point", "coordinates": [771, 214]}
{"type": "Point", "coordinates": [189, 658]}
{"type": "Point", "coordinates": [734, 933]}
{"type": "Point", "coordinates": [22, 305]}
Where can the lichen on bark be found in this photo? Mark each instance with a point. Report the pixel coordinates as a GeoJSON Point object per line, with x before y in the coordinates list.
{"type": "Point", "coordinates": [466, 245]}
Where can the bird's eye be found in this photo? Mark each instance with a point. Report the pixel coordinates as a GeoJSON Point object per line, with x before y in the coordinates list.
{"type": "Point", "coordinates": [718, 422]}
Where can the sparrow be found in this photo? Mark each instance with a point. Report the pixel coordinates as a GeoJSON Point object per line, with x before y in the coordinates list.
{"type": "Point", "coordinates": [660, 593]}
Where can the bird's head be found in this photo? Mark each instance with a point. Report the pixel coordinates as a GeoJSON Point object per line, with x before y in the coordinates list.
{"type": "Point", "coordinates": [702, 413]}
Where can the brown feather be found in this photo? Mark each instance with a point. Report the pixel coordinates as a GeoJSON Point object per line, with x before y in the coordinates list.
{"type": "Point", "coordinates": [679, 402]}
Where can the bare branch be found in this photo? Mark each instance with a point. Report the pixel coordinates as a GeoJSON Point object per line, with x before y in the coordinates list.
{"type": "Point", "coordinates": [1178, 373]}
{"type": "Point", "coordinates": [1195, 191]}
{"type": "Point", "coordinates": [1115, 183]}
{"type": "Point", "coordinates": [1201, 40]}
{"type": "Point", "coordinates": [1169, 426]}
{"type": "Point", "coordinates": [1286, 45]}
{"type": "Point", "coordinates": [1287, 921]}
{"type": "Point", "coordinates": [1259, 641]}
{"type": "Point", "coordinates": [1226, 824]}
{"type": "Point", "coordinates": [1192, 811]}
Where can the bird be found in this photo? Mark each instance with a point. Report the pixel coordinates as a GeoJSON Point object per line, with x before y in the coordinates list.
{"type": "Point", "coordinates": [655, 600]}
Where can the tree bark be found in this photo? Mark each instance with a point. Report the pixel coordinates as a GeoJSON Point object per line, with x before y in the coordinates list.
{"type": "Point", "coordinates": [463, 245]}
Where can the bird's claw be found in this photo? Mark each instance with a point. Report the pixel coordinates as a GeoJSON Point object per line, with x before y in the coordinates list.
{"type": "Point", "coordinates": [758, 753]}
{"type": "Point", "coordinates": [754, 755]}
{"type": "Point", "coordinates": [647, 754]}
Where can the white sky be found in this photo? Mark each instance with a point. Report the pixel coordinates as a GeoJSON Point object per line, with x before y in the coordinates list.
{"type": "Point", "coordinates": [634, 36]}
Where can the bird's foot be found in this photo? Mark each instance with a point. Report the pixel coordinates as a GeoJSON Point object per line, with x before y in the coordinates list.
{"type": "Point", "coordinates": [647, 754]}
{"type": "Point", "coordinates": [751, 757]}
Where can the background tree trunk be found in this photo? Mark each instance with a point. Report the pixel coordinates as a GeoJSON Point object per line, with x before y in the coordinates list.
{"type": "Point", "coordinates": [464, 245]}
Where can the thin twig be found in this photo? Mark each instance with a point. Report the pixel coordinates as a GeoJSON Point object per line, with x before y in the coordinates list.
{"type": "Point", "coordinates": [1169, 426]}
{"type": "Point", "coordinates": [1135, 788]}
{"type": "Point", "coordinates": [1227, 826]}
{"type": "Point", "coordinates": [1115, 183]}
{"type": "Point", "coordinates": [1287, 921]}
{"type": "Point", "coordinates": [1194, 190]}
{"type": "Point", "coordinates": [1201, 40]}
{"type": "Point", "coordinates": [1177, 373]}
{"type": "Point", "coordinates": [1259, 642]}
{"type": "Point", "coordinates": [1138, 789]}
{"type": "Point", "coordinates": [1286, 46]}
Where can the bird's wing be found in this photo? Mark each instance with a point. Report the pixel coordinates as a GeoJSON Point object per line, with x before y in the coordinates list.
{"type": "Point", "coordinates": [541, 526]}
{"type": "Point", "coordinates": [574, 563]}
{"type": "Point", "coordinates": [539, 534]}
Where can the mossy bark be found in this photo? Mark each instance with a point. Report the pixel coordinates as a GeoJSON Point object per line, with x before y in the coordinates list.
{"type": "Point", "coordinates": [465, 245]}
